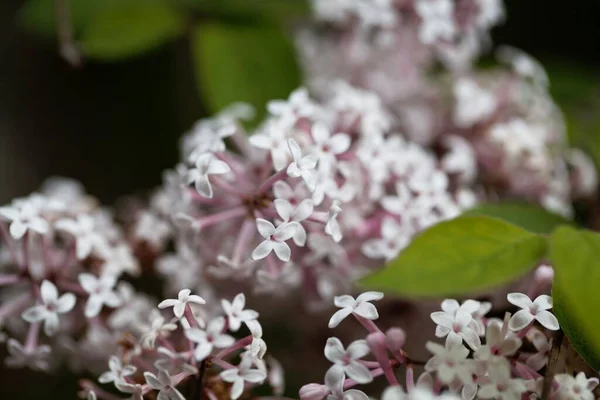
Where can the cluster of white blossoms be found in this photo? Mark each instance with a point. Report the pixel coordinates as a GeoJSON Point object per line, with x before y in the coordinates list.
{"type": "Point", "coordinates": [482, 357]}
{"type": "Point", "coordinates": [322, 192]}
{"type": "Point", "coordinates": [189, 348]}
{"type": "Point", "coordinates": [504, 115]}
{"type": "Point", "coordinates": [62, 256]}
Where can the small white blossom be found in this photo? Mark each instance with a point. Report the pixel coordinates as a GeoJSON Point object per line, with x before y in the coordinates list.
{"type": "Point", "coordinates": [163, 384]}
{"type": "Point", "coordinates": [348, 360]}
{"type": "Point", "coordinates": [206, 164]}
{"type": "Point", "coordinates": [302, 167]}
{"type": "Point", "coordinates": [243, 373]}
{"type": "Point", "coordinates": [361, 307]}
{"type": "Point", "coordinates": [100, 292]}
{"type": "Point", "coordinates": [502, 386]}
{"type": "Point", "coordinates": [87, 235]}
{"type": "Point", "coordinates": [532, 310]}
{"type": "Point", "coordinates": [457, 326]}
{"type": "Point", "coordinates": [543, 345]}
{"type": "Point", "coordinates": [332, 228]}
{"type": "Point", "coordinates": [274, 239]}
{"type": "Point", "coordinates": [437, 20]}
{"type": "Point", "coordinates": [183, 298]}
{"type": "Point", "coordinates": [576, 387]}
{"type": "Point", "coordinates": [24, 217]}
{"type": "Point", "coordinates": [236, 313]}
{"type": "Point", "coordinates": [158, 327]}
{"type": "Point", "coordinates": [51, 307]}
{"type": "Point", "coordinates": [473, 104]}
{"type": "Point", "coordinates": [289, 213]}
{"type": "Point", "coordinates": [22, 356]}
{"type": "Point", "coordinates": [117, 372]}
{"type": "Point", "coordinates": [450, 362]}
{"type": "Point", "coordinates": [334, 380]}
{"type": "Point", "coordinates": [328, 146]}
{"type": "Point", "coordinates": [212, 337]}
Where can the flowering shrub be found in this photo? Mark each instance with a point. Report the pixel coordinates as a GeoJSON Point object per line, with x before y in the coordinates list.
{"type": "Point", "coordinates": [374, 161]}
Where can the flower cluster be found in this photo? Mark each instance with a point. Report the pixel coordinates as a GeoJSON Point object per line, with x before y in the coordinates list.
{"type": "Point", "coordinates": [62, 256]}
{"type": "Point", "coordinates": [190, 352]}
{"type": "Point", "coordinates": [320, 193]}
{"type": "Point", "coordinates": [482, 357]}
{"type": "Point", "coordinates": [504, 115]}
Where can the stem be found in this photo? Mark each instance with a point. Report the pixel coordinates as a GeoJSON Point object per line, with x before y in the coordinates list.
{"type": "Point", "coordinates": [266, 185]}
{"type": "Point", "coordinates": [32, 336]}
{"type": "Point", "coordinates": [220, 217]}
{"type": "Point", "coordinates": [9, 279]}
{"type": "Point", "coordinates": [240, 344]}
{"type": "Point", "coordinates": [66, 40]}
{"type": "Point", "coordinates": [244, 237]}
{"type": "Point", "coordinates": [189, 316]}
{"type": "Point", "coordinates": [410, 378]}
{"type": "Point", "coordinates": [551, 369]}
{"type": "Point", "coordinates": [348, 383]}
{"type": "Point", "coordinates": [10, 243]}
{"type": "Point", "coordinates": [367, 323]}
{"type": "Point", "coordinates": [221, 363]}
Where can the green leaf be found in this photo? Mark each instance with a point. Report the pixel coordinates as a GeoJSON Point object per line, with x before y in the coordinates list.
{"type": "Point", "coordinates": [461, 256]}
{"type": "Point", "coordinates": [39, 16]}
{"type": "Point", "coordinates": [249, 63]}
{"type": "Point", "coordinates": [263, 10]}
{"type": "Point", "coordinates": [528, 216]}
{"type": "Point", "coordinates": [575, 256]}
{"type": "Point", "coordinates": [129, 28]}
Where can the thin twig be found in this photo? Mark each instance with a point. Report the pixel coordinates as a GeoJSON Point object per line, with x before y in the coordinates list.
{"type": "Point", "coordinates": [66, 36]}
{"type": "Point", "coordinates": [552, 360]}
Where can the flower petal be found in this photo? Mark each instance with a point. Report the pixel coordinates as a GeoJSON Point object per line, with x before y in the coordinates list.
{"type": "Point", "coordinates": [548, 320]}
{"type": "Point", "coordinates": [520, 320]}
{"type": "Point", "coordinates": [519, 300]}
{"type": "Point", "coordinates": [339, 316]}
{"type": "Point", "coordinates": [262, 250]}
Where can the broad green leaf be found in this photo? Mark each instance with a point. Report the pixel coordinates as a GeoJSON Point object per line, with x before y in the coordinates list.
{"type": "Point", "coordinates": [129, 28]}
{"type": "Point", "coordinates": [575, 256]}
{"type": "Point", "coordinates": [530, 217]}
{"type": "Point", "coordinates": [461, 256]}
{"type": "Point", "coordinates": [248, 63]}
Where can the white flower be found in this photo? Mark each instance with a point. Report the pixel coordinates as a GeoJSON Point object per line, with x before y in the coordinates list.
{"type": "Point", "coordinates": [536, 310]}
{"type": "Point", "coordinates": [498, 341]}
{"type": "Point", "coordinates": [450, 362]}
{"type": "Point", "coordinates": [543, 346]}
{"type": "Point", "coordinates": [23, 218]}
{"type": "Point", "coordinates": [136, 390]}
{"type": "Point", "coordinates": [303, 167]}
{"type": "Point", "coordinates": [236, 313]}
{"type": "Point", "coordinates": [348, 360]}
{"type": "Point", "coordinates": [212, 338]}
{"type": "Point", "coordinates": [51, 307]}
{"type": "Point", "coordinates": [274, 239]}
{"type": "Point", "coordinates": [502, 386]}
{"type": "Point", "coordinates": [473, 104]}
{"type": "Point", "coordinates": [289, 213]}
{"type": "Point", "coordinates": [394, 238]}
{"type": "Point", "coordinates": [334, 380]}
{"type": "Point", "coordinates": [576, 388]}
{"type": "Point", "coordinates": [437, 20]}
{"type": "Point", "coordinates": [163, 384]}
{"type": "Point", "coordinates": [179, 304]}
{"type": "Point", "coordinates": [22, 356]}
{"type": "Point", "coordinates": [418, 393]}
{"type": "Point", "coordinates": [272, 138]}
{"type": "Point", "coordinates": [326, 146]}
{"type": "Point", "coordinates": [457, 327]}
{"type": "Point", "coordinates": [332, 228]}
{"type": "Point", "coordinates": [360, 307]}
{"type": "Point", "coordinates": [86, 234]}
{"type": "Point", "coordinates": [158, 327]}
{"type": "Point", "coordinates": [243, 373]}
{"type": "Point", "coordinates": [117, 372]}
{"type": "Point", "coordinates": [100, 292]}
{"type": "Point", "coordinates": [206, 164]}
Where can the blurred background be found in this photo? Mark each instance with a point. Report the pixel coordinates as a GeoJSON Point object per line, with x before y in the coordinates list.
{"type": "Point", "coordinates": [112, 119]}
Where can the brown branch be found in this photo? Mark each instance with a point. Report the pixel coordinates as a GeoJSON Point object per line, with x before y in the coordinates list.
{"type": "Point", "coordinates": [552, 361]}
{"type": "Point", "coordinates": [66, 36]}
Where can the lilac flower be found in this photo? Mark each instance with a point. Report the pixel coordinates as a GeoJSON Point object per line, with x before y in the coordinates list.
{"type": "Point", "coordinates": [361, 307]}
{"type": "Point", "coordinates": [302, 167]}
{"type": "Point", "coordinates": [578, 387]}
{"type": "Point", "coordinates": [348, 360]}
{"type": "Point", "coordinates": [450, 362]}
{"type": "Point", "coordinates": [334, 380]}
{"type": "Point", "coordinates": [183, 298]}
{"type": "Point", "coordinates": [274, 239]}
{"type": "Point", "coordinates": [532, 310]}
{"type": "Point", "coordinates": [327, 146]}
{"type": "Point", "coordinates": [236, 313]}
{"type": "Point", "coordinates": [100, 292]}
{"type": "Point", "coordinates": [543, 345]}
{"type": "Point", "coordinates": [117, 372]}
{"type": "Point", "coordinates": [206, 164]}
{"type": "Point", "coordinates": [24, 217]}
{"type": "Point", "coordinates": [36, 358]}
{"type": "Point", "coordinates": [332, 228]}
{"type": "Point", "coordinates": [158, 327]}
{"type": "Point", "coordinates": [457, 327]}
{"type": "Point", "coordinates": [243, 373]}
{"type": "Point", "coordinates": [86, 234]}
{"type": "Point", "coordinates": [502, 386]}
{"type": "Point", "coordinates": [164, 385]}
{"type": "Point", "coordinates": [289, 213]}
{"type": "Point", "coordinates": [51, 307]}
{"type": "Point", "coordinates": [209, 339]}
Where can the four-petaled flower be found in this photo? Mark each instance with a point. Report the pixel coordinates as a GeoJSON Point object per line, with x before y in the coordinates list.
{"type": "Point", "coordinates": [348, 360]}
{"type": "Point", "coordinates": [450, 362]}
{"type": "Point", "coordinates": [213, 337]}
{"type": "Point", "coordinates": [243, 373]}
{"type": "Point", "coordinates": [532, 310]}
{"type": "Point", "coordinates": [86, 234]}
{"type": "Point", "coordinates": [360, 307]}
{"type": "Point", "coordinates": [163, 384]}
{"type": "Point", "coordinates": [274, 239]}
{"type": "Point", "coordinates": [23, 218]}
{"type": "Point", "coordinates": [179, 304]}
{"type": "Point", "coordinates": [117, 372]}
{"type": "Point", "coordinates": [303, 167]}
{"type": "Point", "coordinates": [206, 164]}
{"type": "Point", "coordinates": [22, 356]}
{"type": "Point", "coordinates": [51, 307]}
{"type": "Point", "coordinates": [457, 326]}
{"type": "Point", "coordinates": [100, 292]}
{"type": "Point", "coordinates": [334, 380]}
{"type": "Point", "coordinates": [236, 313]}
{"type": "Point", "coordinates": [327, 146]}
{"type": "Point", "coordinates": [289, 213]}
{"type": "Point", "coordinates": [576, 387]}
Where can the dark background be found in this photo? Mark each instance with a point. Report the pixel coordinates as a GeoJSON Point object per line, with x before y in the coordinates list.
{"type": "Point", "coordinates": [115, 126]}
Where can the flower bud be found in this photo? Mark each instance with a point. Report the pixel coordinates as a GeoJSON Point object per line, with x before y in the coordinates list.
{"type": "Point", "coordinates": [395, 338]}
{"type": "Point", "coordinates": [544, 274]}
{"type": "Point", "coordinates": [313, 391]}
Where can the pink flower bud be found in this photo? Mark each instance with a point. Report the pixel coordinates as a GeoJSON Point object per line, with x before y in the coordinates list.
{"type": "Point", "coordinates": [313, 391]}
{"type": "Point", "coordinates": [395, 338]}
{"type": "Point", "coordinates": [544, 274]}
